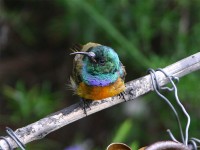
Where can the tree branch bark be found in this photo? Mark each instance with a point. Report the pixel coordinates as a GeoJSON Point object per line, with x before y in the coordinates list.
{"type": "Point", "coordinates": [74, 112]}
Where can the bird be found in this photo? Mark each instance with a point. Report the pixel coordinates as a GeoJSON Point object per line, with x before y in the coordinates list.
{"type": "Point", "coordinates": [97, 72]}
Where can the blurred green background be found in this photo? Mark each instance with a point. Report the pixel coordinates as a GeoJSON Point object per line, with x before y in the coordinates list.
{"type": "Point", "coordinates": [35, 66]}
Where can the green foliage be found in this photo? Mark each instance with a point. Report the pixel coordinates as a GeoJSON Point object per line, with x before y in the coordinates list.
{"type": "Point", "coordinates": [122, 134]}
{"type": "Point", "coordinates": [110, 29]}
{"type": "Point", "coordinates": [189, 88]}
{"type": "Point", "coordinates": [123, 131]}
{"type": "Point", "coordinates": [30, 104]}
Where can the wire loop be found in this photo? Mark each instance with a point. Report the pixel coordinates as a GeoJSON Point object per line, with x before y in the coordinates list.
{"type": "Point", "coordinates": [3, 138]}
{"type": "Point", "coordinates": [173, 80]}
{"type": "Point", "coordinates": [13, 136]}
{"type": "Point", "coordinates": [157, 87]}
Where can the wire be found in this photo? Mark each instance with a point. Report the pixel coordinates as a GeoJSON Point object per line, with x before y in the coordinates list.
{"type": "Point", "coordinates": [3, 138]}
{"type": "Point", "coordinates": [192, 143]}
{"type": "Point", "coordinates": [13, 136]}
{"type": "Point", "coordinates": [156, 89]}
{"type": "Point", "coordinates": [180, 104]}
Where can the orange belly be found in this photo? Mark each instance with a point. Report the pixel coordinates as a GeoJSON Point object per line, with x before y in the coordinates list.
{"type": "Point", "coordinates": [99, 92]}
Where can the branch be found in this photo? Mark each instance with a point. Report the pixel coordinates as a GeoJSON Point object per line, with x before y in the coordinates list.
{"type": "Point", "coordinates": [74, 112]}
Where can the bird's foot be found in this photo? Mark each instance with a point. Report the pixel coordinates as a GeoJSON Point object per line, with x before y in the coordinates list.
{"type": "Point", "coordinates": [85, 104]}
{"type": "Point", "coordinates": [122, 96]}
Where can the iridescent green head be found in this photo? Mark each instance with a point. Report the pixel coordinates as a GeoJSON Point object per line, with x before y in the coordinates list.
{"type": "Point", "coordinates": [101, 66]}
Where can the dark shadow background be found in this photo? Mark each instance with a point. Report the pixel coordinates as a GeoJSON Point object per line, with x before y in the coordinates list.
{"type": "Point", "coordinates": [35, 66]}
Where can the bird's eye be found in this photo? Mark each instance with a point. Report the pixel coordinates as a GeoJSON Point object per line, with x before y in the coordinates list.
{"type": "Point", "coordinates": [101, 61]}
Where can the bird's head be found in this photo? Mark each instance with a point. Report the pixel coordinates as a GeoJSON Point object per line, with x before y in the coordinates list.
{"type": "Point", "coordinates": [100, 60]}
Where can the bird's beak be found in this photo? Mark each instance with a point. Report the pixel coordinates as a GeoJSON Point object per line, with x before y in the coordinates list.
{"type": "Point", "coordinates": [91, 55]}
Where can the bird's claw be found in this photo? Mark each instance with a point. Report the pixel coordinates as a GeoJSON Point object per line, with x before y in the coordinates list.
{"type": "Point", "coordinates": [122, 96]}
{"type": "Point", "coordinates": [85, 104]}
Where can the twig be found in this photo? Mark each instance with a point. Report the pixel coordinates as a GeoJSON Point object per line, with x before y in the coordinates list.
{"type": "Point", "coordinates": [74, 112]}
